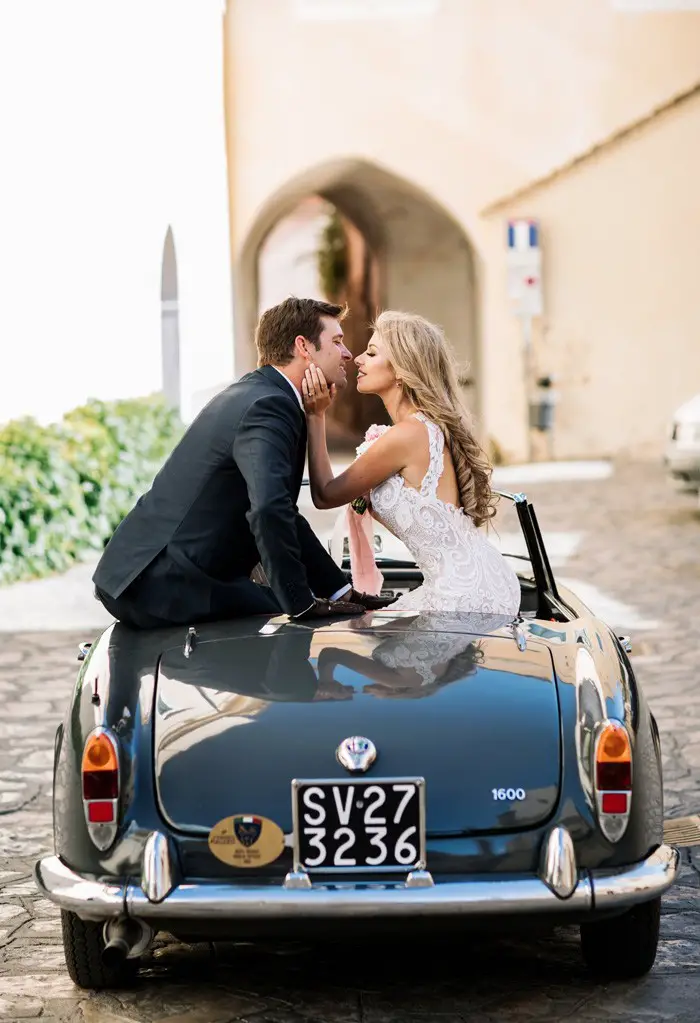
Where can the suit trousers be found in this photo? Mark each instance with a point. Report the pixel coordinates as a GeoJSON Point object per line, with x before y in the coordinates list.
{"type": "Point", "coordinates": [239, 598]}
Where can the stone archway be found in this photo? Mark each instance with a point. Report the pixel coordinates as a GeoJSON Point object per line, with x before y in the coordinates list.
{"type": "Point", "coordinates": [425, 260]}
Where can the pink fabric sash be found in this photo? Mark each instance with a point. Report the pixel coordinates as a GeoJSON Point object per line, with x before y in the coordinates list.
{"type": "Point", "coordinates": [366, 577]}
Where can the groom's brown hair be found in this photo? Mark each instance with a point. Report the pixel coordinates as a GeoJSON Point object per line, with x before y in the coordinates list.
{"type": "Point", "coordinates": [280, 325]}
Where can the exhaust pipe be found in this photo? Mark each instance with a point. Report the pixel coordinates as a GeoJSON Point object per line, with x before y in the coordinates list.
{"type": "Point", "coordinates": [115, 952]}
{"type": "Point", "coordinates": [125, 938]}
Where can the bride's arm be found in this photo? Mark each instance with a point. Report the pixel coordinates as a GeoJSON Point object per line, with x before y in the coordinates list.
{"type": "Point", "coordinates": [387, 455]}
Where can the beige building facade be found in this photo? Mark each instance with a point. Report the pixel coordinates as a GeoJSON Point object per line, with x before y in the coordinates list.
{"type": "Point", "coordinates": [430, 124]}
{"type": "Point", "coordinates": [155, 148]}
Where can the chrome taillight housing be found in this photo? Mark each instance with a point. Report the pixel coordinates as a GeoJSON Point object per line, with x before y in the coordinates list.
{"type": "Point", "coordinates": [613, 778]}
{"type": "Point", "coordinates": [100, 784]}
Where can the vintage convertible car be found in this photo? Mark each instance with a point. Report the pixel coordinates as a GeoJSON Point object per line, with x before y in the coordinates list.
{"type": "Point", "coordinates": [262, 778]}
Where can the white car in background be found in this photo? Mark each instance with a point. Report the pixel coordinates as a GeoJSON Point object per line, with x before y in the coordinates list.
{"type": "Point", "coordinates": [682, 457]}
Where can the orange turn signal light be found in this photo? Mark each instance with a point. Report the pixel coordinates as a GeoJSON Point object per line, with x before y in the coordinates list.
{"type": "Point", "coordinates": [614, 745]}
{"type": "Point", "coordinates": [99, 753]}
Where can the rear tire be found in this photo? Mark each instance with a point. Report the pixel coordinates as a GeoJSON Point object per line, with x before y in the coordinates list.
{"type": "Point", "coordinates": [83, 944]}
{"type": "Point", "coordinates": [625, 946]}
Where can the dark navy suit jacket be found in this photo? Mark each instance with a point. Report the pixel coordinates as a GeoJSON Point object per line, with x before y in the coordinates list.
{"type": "Point", "coordinates": [225, 500]}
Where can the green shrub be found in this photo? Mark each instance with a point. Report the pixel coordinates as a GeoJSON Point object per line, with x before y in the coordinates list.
{"type": "Point", "coordinates": [64, 488]}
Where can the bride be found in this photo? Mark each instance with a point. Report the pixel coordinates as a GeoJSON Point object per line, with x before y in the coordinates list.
{"type": "Point", "coordinates": [425, 477]}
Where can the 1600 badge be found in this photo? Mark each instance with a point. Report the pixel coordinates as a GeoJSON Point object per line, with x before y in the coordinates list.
{"type": "Point", "coordinates": [364, 824]}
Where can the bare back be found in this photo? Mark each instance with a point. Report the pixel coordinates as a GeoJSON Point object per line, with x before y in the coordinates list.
{"type": "Point", "coordinates": [414, 472]}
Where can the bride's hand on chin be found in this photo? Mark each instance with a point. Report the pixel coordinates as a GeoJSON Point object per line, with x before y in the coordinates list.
{"type": "Point", "coordinates": [315, 392]}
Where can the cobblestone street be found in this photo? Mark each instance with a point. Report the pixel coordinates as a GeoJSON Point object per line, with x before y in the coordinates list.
{"type": "Point", "coordinates": [638, 547]}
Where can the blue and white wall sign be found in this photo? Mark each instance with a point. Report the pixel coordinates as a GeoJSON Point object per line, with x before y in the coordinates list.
{"type": "Point", "coordinates": [523, 234]}
{"type": "Point", "coordinates": [524, 261]}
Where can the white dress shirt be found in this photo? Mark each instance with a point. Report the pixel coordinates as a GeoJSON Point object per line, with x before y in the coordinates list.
{"type": "Point", "coordinates": [345, 589]}
{"type": "Point", "coordinates": [296, 393]}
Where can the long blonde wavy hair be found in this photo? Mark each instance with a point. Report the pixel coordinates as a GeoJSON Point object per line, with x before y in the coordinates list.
{"type": "Point", "coordinates": [425, 366]}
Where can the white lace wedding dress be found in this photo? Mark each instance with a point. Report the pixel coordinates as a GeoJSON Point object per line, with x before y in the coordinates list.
{"type": "Point", "coordinates": [462, 571]}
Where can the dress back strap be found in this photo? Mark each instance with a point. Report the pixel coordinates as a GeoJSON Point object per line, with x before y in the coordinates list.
{"type": "Point", "coordinates": [436, 465]}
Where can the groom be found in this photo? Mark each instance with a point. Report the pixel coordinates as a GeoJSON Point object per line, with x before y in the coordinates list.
{"type": "Point", "coordinates": [226, 498]}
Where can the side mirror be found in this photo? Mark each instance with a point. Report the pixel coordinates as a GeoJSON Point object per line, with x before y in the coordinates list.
{"type": "Point", "coordinates": [625, 643]}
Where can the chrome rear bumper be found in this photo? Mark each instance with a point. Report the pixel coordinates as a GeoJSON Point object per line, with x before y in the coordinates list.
{"type": "Point", "coordinates": [499, 895]}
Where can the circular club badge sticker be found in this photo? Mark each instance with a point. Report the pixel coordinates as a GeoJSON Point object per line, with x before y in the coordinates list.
{"type": "Point", "coordinates": [246, 840]}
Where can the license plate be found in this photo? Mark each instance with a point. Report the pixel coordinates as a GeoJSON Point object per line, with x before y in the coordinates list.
{"type": "Point", "coordinates": [368, 824]}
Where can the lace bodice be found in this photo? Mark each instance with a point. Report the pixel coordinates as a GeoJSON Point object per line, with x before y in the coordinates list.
{"type": "Point", "coordinates": [462, 571]}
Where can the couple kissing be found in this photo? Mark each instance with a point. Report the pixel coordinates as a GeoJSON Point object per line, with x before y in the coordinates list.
{"type": "Point", "coordinates": [226, 498]}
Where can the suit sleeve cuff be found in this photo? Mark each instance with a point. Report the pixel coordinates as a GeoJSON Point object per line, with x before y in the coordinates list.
{"type": "Point", "coordinates": [340, 593]}
{"type": "Point", "coordinates": [304, 611]}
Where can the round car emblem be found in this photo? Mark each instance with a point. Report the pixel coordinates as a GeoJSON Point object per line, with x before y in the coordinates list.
{"type": "Point", "coordinates": [356, 753]}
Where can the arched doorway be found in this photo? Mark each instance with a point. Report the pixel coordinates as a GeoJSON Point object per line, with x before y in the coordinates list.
{"type": "Point", "coordinates": [404, 249]}
{"type": "Point", "coordinates": [316, 251]}
{"type": "Point", "coordinates": [169, 323]}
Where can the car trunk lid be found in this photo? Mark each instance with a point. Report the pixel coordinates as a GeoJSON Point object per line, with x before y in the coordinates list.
{"type": "Point", "coordinates": [475, 715]}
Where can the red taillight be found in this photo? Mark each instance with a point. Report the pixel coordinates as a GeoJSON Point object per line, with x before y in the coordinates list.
{"type": "Point", "coordinates": [613, 779]}
{"type": "Point", "coordinates": [614, 802]}
{"type": "Point", "coordinates": [614, 776]}
{"type": "Point", "coordinates": [100, 783]}
{"type": "Point", "coordinates": [101, 812]}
